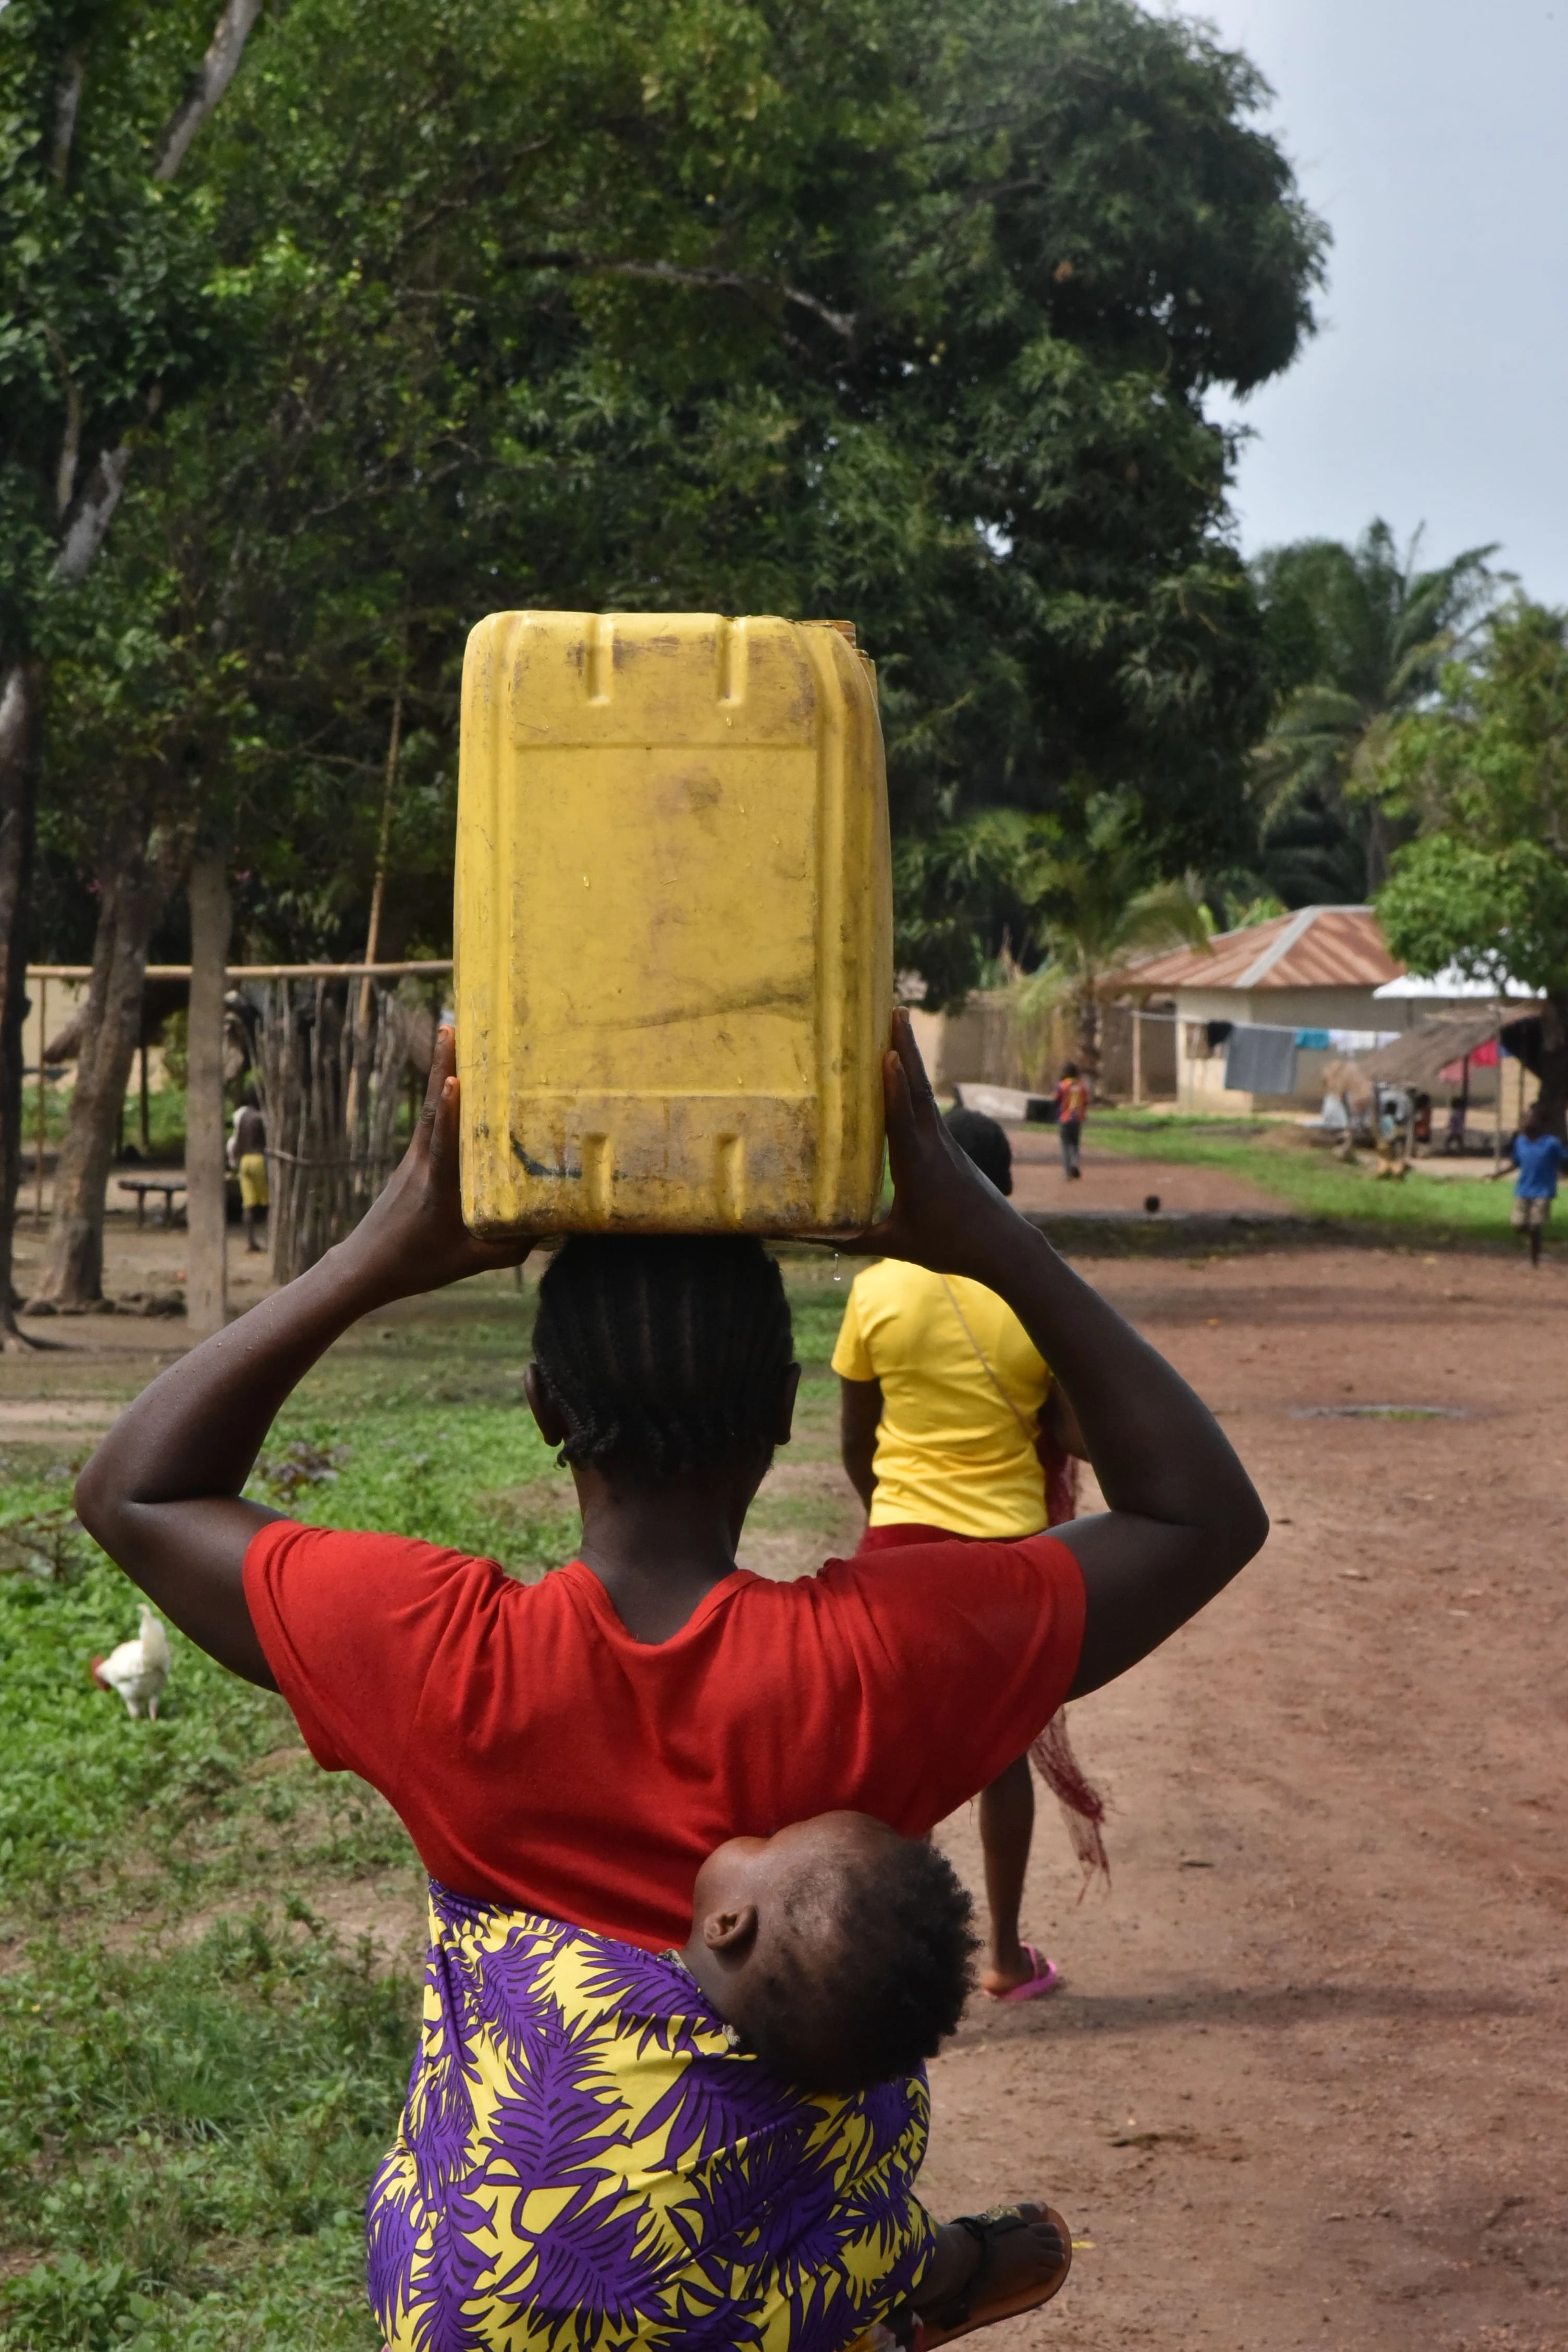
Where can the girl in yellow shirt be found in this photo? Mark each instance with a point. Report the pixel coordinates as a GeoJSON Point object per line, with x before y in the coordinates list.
{"type": "Point", "coordinates": [947, 1406]}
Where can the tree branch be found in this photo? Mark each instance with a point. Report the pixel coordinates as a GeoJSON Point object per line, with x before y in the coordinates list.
{"type": "Point", "coordinates": [670, 273]}
{"type": "Point", "coordinates": [65, 117]}
{"type": "Point", "coordinates": [70, 446]}
{"type": "Point", "coordinates": [88, 526]}
{"type": "Point", "coordinates": [207, 85]}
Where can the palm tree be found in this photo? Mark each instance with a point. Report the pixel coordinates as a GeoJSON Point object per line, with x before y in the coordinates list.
{"type": "Point", "coordinates": [1366, 635]}
{"type": "Point", "coordinates": [1093, 911]}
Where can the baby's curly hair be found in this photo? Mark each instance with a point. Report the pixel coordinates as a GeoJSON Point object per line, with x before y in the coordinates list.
{"type": "Point", "coordinates": [664, 1353]}
{"type": "Point", "coordinates": [876, 1964]}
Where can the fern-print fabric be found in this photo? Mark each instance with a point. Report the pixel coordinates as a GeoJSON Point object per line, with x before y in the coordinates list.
{"type": "Point", "coordinates": [585, 2163]}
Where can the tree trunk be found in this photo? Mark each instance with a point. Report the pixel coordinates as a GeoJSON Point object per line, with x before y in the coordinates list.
{"type": "Point", "coordinates": [136, 887]}
{"type": "Point", "coordinates": [207, 84]}
{"type": "Point", "coordinates": [83, 532]}
{"type": "Point", "coordinates": [21, 712]}
{"type": "Point", "coordinates": [207, 1183]}
{"type": "Point", "coordinates": [1384, 834]}
{"type": "Point", "coordinates": [1085, 1022]}
{"type": "Point", "coordinates": [1554, 1062]}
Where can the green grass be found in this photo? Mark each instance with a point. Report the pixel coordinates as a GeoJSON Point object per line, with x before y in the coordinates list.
{"type": "Point", "coordinates": [165, 1120]}
{"type": "Point", "coordinates": [1279, 1159]}
{"type": "Point", "coordinates": [197, 2078]}
{"type": "Point", "coordinates": [55, 1107]}
{"type": "Point", "coordinates": [189, 2136]}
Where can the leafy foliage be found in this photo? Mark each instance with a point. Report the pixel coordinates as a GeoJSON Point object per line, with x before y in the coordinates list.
{"type": "Point", "coordinates": [1484, 775]}
{"type": "Point", "coordinates": [106, 312]}
{"type": "Point", "coordinates": [901, 308]}
{"type": "Point", "coordinates": [1360, 638]}
{"type": "Point", "coordinates": [1095, 910]}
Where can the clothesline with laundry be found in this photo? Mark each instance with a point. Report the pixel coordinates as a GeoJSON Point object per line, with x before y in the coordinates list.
{"type": "Point", "coordinates": [1320, 1041]}
{"type": "Point", "coordinates": [1261, 1056]}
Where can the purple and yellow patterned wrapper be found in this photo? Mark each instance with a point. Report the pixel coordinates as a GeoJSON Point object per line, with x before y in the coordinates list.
{"type": "Point", "coordinates": [585, 2163]}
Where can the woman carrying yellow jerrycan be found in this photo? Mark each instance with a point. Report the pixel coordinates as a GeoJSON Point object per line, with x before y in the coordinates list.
{"type": "Point", "coordinates": [652, 1745]}
{"type": "Point", "coordinates": [954, 1431]}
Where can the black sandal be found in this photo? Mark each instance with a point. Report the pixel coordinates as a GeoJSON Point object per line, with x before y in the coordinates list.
{"type": "Point", "coordinates": [955, 2316]}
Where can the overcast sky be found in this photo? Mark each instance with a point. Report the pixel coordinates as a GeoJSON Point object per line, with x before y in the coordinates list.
{"type": "Point", "coordinates": [1433, 136]}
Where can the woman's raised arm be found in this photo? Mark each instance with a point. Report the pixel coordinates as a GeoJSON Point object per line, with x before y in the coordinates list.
{"type": "Point", "coordinates": [162, 1494]}
{"type": "Point", "coordinates": [1183, 1516]}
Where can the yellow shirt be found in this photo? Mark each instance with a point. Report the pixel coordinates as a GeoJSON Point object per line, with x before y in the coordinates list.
{"type": "Point", "coordinates": [950, 1453]}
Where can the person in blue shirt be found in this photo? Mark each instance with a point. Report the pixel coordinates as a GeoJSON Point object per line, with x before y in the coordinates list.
{"type": "Point", "coordinates": [1540, 1156]}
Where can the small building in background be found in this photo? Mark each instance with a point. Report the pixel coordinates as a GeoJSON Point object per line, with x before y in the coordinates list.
{"type": "Point", "coordinates": [1252, 1022]}
{"type": "Point", "coordinates": [1260, 1012]}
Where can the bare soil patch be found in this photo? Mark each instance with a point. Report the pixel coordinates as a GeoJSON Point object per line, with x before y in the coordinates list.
{"type": "Point", "coordinates": [1304, 2082]}
{"type": "Point", "coordinates": [1111, 1181]}
{"type": "Point", "coordinates": [138, 1263]}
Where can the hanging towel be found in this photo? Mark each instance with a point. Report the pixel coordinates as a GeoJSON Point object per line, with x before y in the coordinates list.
{"type": "Point", "coordinates": [1360, 1041]}
{"type": "Point", "coordinates": [1261, 1061]}
{"type": "Point", "coordinates": [1313, 1041]}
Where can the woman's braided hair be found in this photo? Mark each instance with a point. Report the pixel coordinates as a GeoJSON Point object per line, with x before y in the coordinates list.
{"type": "Point", "coordinates": [664, 1353]}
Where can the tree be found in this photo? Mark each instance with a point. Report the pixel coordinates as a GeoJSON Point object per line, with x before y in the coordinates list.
{"type": "Point", "coordinates": [137, 702]}
{"type": "Point", "coordinates": [1359, 638]}
{"type": "Point", "coordinates": [1484, 775]}
{"type": "Point", "coordinates": [1095, 908]}
{"type": "Point", "coordinates": [103, 325]}
{"type": "Point", "coordinates": [902, 309]}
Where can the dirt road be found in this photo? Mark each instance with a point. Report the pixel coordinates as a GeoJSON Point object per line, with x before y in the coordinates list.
{"type": "Point", "coordinates": [1304, 2084]}
{"type": "Point", "coordinates": [1111, 1181]}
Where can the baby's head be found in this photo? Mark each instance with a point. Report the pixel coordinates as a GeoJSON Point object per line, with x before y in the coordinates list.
{"type": "Point", "coordinates": [841, 1952]}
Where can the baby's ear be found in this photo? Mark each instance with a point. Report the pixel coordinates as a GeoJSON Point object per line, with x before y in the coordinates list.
{"type": "Point", "coordinates": [732, 1932]}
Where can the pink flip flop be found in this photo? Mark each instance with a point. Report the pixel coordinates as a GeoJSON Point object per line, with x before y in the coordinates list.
{"type": "Point", "coordinates": [1046, 1977]}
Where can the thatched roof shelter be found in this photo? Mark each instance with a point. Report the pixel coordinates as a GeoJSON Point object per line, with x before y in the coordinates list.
{"type": "Point", "coordinates": [1420, 1058]}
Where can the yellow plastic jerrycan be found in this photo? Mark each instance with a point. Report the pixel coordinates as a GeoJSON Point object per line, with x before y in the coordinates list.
{"type": "Point", "coordinates": [674, 925]}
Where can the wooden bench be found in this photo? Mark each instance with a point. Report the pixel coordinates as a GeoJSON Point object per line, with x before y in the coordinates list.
{"type": "Point", "coordinates": [142, 1185]}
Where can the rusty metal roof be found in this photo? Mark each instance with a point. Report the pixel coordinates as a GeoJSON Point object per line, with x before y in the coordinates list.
{"type": "Point", "coordinates": [1316, 946]}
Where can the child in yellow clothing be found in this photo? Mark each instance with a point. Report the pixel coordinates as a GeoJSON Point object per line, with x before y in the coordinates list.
{"type": "Point", "coordinates": [961, 1389]}
{"type": "Point", "coordinates": [946, 1404]}
{"type": "Point", "coordinates": [248, 1157]}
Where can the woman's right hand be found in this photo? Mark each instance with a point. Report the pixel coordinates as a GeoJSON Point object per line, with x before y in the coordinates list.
{"type": "Point", "coordinates": [413, 1238]}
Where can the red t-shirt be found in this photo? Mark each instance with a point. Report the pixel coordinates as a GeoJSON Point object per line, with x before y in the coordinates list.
{"type": "Point", "coordinates": [539, 1756]}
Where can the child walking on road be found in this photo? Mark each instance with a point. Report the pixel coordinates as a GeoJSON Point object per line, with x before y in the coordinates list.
{"type": "Point", "coordinates": [1073, 1109]}
{"type": "Point", "coordinates": [1540, 1157]}
{"type": "Point", "coordinates": [585, 2157]}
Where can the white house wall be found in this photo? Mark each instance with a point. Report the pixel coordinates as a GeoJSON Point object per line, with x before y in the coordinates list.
{"type": "Point", "coordinates": [1200, 1082]}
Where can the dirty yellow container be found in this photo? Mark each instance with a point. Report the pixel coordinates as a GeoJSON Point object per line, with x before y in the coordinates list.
{"type": "Point", "coordinates": [674, 925]}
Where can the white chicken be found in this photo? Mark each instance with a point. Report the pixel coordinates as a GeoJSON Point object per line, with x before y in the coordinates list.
{"type": "Point", "coordinates": [138, 1670]}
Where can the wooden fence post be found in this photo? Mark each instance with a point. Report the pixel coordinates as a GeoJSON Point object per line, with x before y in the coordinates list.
{"type": "Point", "coordinates": [206, 1205]}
